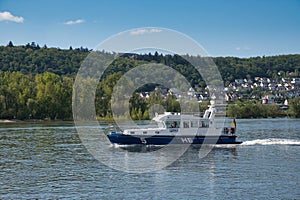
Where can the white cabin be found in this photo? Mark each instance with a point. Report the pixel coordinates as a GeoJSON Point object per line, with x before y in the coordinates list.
{"type": "Point", "coordinates": [171, 124]}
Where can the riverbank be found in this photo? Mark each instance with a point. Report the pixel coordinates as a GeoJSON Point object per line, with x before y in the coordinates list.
{"type": "Point", "coordinates": [7, 121]}
{"type": "Point", "coordinates": [31, 121]}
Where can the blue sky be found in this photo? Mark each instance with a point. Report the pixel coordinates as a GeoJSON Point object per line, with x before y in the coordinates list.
{"type": "Point", "coordinates": [223, 28]}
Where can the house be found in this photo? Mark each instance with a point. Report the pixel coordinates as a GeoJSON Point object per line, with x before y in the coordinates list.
{"type": "Point", "coordinates": [268, 99]}
{"type": "Point", "coordinates": [191, 92]}
{"type": "Point", "coordinates": [295, 81]}
{"type": "Point", "coordinates": [239, 81]}
{"type": "Point", "coordinates": [144, 95]}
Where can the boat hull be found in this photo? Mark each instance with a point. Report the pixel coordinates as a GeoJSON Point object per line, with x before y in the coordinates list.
{"type": "Point", "coordinates": [122, 139]}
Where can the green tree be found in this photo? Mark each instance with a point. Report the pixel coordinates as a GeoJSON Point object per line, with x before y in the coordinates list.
{"type": "Point", "coordinates": [294, 107]}
{"type": "Point", "coordinates": [48, 88]}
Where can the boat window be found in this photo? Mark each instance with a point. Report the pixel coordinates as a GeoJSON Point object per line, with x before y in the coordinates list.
{"type": "Point", "coordinates": [168, 124]}
{"type": "Point", "coordinates": [194, 123]}
{"type": "Point", "coordinates": [186, 124]}
{"type": "Point", "coordinates": [131, 132]}
{"type": "Point", "coordinates": [204, 124]}
{"type": "Point", "coordinates": [160, 125]}
{"type": "Point", "coordinates": [173, 124]}
{"type": "Point", "coordinates": [144, 132]}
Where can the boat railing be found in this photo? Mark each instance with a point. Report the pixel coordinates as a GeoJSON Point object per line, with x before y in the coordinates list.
{"type": "Point", "coordinates": [198, 114]}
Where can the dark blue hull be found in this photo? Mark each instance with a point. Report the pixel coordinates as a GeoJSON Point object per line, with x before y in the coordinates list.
{"type": "Point", "coordinates": [121, 139]}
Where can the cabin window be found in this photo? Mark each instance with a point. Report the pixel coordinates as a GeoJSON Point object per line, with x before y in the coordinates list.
{"type": "Point", "coordinates": [194, 123]}
{"type": "Point", "coordinates": [131, 132]}
{"type": "Point", "coordinates": [173, 124]}
{"type": "Point", "coordinates": [144, 132]}
{"type": "Point", "coordinates": [186, 125]}
{"type": "Point", "coordinates": [203, 124]}
{"type": "Point", "coordinates": [157, 132]}
{"type": "Point", "coordinates": [160, 125]}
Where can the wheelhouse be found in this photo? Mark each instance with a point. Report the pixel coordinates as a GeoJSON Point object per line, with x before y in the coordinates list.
{"type": "Point", "coordinates": [175, 121]}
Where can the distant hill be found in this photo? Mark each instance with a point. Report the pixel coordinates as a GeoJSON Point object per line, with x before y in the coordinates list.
{"type": "Point", "coordinates": [33, 59]}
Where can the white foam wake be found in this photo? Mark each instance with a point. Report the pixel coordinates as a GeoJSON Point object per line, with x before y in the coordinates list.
{"type": "Point", "coordinates": [272, 141]}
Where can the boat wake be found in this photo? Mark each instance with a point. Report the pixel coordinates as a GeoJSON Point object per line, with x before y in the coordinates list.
{"type": "Point", "coordinates": [272, 141]}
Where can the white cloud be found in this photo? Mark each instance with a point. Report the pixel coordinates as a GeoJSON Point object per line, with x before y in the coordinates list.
{"type": "Point", "coordinates": [7, 16]}
{"type": "Point", "coordinates": [143, 31]}
{"type": "Point", "coordinates": [72, 22]}
{"type": "Point", "coordinates": [242, 48]}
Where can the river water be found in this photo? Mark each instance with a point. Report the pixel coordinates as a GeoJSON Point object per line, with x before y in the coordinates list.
{"type": "Point", "coordinates": [48, 161]}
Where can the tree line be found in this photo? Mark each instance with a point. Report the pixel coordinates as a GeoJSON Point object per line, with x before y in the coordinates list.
{"type": "Point", "coordinates": [41, 96]}
{"type": "Point", "coordinates": [33, 59]}
{"type": "Point", "coordinates": [254, 109]}
{"type": "Point", "coordinates": [49, 96]}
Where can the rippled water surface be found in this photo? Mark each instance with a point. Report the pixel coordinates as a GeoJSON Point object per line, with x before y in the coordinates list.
{"type": "Point", "coordinates": [48, 161]}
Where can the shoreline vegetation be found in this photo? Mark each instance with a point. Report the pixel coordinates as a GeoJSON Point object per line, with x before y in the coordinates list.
{"type": "Point", "coordinates": [8, 121]}
{"type": "Point", "coordinates": [37, 83]}
{"type": "Point", "coordinates": [238, 110]}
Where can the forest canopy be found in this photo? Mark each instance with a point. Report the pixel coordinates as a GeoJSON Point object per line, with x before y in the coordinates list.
{"type": "Point", "coordinates": [33, 59]}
